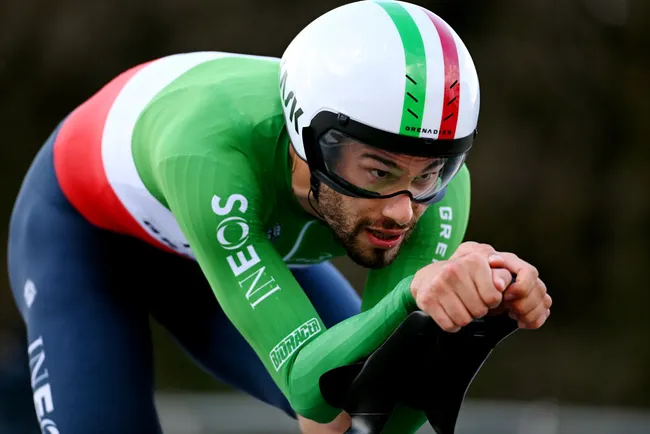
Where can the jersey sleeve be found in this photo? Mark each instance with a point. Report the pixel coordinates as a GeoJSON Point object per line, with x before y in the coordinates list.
{"type": "Point", "coordinates": [209, 186]}
{"type": "Point", "coordinates": [438, 234]}
{"type": "Point", "coordinates": [257, 291]}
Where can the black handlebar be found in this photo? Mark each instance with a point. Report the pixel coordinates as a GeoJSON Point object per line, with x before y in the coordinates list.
{"type": "Point", "coordinates": [419, 365]}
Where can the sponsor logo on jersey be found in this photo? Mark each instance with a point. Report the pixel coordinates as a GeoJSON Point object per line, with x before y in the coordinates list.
{"type": "Point", "coordinates": [156, 232]}
{"type": "Point", "coordinates": [43, 402]}
{"type": "Point", "coordinates": [290, 344]}
{"type": "Point", "coordinates": [274, 232]}
{"type": "Point", "coordinates": [29, 293]}
{"type": "Point", "coordinates": [233, 234]}
{"type": "Point", "coordinates": [48, 427]}
{"type": "Point", "coordinates": [446, 216]}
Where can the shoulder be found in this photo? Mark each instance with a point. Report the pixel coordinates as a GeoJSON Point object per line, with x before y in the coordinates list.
{"type": "Point", "coordinates": [443, 225]}
{"type": "Point", "coordinates": [216, 103]}
{"type": "Point", "coordinates": [458, 195]}
{"type": "Point", "coordinates": [200, 77]}
{"type": "Point", "coordinates": [462, 179]}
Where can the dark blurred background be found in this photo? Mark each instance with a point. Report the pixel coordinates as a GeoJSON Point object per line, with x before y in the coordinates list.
{"type": "Point", "coordinates": [559, 171]}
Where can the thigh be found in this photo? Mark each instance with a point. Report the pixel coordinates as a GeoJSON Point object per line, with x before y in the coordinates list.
{"type": "Point", "coordinates": [187, 308]}
{"type": "Point", "coordinates": [191, 313]}
{"type": "Point", "coordinates": [88, 342]}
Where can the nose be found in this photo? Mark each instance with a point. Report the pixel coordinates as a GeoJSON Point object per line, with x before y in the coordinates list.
{"type": "Point", "coordinates": [398, 208]}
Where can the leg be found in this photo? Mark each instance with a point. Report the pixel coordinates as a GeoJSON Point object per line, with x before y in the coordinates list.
{"type": "Point", "coordinates": [329, 291]}
{"type": "Point", "coordinates": [197, 322]}
{"type": "Point", "coordinates": [89, 341]}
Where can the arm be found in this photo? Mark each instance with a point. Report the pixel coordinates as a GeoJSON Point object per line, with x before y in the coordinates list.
{"type": "Point", "coordinates": [439, 233]}
{"type": "Point", "coordinates": [216, 211]}
{"type": "Point", "coordinates": [198, 168]}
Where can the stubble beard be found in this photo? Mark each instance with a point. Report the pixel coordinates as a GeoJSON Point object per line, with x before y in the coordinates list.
{"type": "Point", "coordinates": [348, 230]}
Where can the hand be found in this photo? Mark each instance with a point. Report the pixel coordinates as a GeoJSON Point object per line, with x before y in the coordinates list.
{"type": "Point", "coordinates": [526, 299]}
{"type": "Point", "coordinates": [338, 426]}
{"type": "Point", "coordinates": [501, 276]}
{"type": "Point", "coordinates": [463, 288]}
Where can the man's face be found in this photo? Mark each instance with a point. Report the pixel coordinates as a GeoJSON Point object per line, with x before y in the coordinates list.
{"type": "Point", "coordinates": [374, 230]}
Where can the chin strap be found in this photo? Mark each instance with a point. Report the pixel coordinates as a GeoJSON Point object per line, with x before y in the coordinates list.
{"type": "Point", "coordinates": [314, 186]}
{"type": "Point", "coordinates": [314, 189]}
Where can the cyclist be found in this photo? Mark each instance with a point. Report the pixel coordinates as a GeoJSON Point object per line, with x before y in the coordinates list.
{"type": "Point", "coordinates": [210, 189]}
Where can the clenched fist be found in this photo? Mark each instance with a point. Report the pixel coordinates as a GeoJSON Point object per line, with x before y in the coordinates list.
{"type": "Point", "coordinates": [526, 298]}
{"type": "Point", "coordinates": [477, 280]}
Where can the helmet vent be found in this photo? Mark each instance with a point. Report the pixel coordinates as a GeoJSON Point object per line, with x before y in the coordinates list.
{"type": "Point", "coordinates": [412, 97]}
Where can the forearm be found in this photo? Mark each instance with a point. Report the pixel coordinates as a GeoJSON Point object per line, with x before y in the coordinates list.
{"type": "Point", "coordinates": [259, 294]}
{"type": "Point", "coordinates": [343, 344]}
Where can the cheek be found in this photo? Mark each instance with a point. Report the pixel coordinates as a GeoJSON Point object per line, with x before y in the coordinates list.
{"type": "Point", "coordinates": [366, 209]}
{"type": "Point", "coordinates": [356, 211]}
{"type": "Point", "coordinates": [418, 210]}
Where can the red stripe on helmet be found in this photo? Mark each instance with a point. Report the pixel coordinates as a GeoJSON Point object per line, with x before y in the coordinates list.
{"type": "Point", "coordinates": [449, 118]}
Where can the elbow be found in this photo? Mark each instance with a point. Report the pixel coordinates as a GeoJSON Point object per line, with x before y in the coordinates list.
{"type": "Point", "coordinates": [304, 395]}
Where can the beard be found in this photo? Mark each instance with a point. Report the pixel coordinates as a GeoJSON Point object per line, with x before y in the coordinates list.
{"type": "Point", "coordinates": [336, 210]}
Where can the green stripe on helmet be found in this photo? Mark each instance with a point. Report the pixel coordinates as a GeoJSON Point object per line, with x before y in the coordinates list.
{"type": "Point", "coordinates": [416, 67]}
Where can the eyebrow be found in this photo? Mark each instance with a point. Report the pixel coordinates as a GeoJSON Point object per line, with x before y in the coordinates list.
{"type": "Point", "coordinates": [382, 160]}
{"type": "Point", "coordinates": [394, 165]}
{"type": "Point", "coordinates": [435, 163]}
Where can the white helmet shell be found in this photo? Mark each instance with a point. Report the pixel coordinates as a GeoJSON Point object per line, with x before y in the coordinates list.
{"type": "Point", "coordinates": [391, 65]}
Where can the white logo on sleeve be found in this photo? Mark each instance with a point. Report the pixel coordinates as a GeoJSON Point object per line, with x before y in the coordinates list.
{"type": "Point", "coordinates": [29, 293]}
{"type": "Point", "coordinates": [233, 234]}
{"type": "Point", "coordinates": [43, 400]}
{"type": "Point", "coordinates": [49, 427]}
{"type": "Point", "coordinates": [290, 344]}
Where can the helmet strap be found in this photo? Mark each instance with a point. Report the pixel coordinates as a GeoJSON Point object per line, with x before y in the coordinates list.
{"type": "Point", "coordinates": [314, 186]}
{"type": "Point", "coordinates": [314, 189]}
